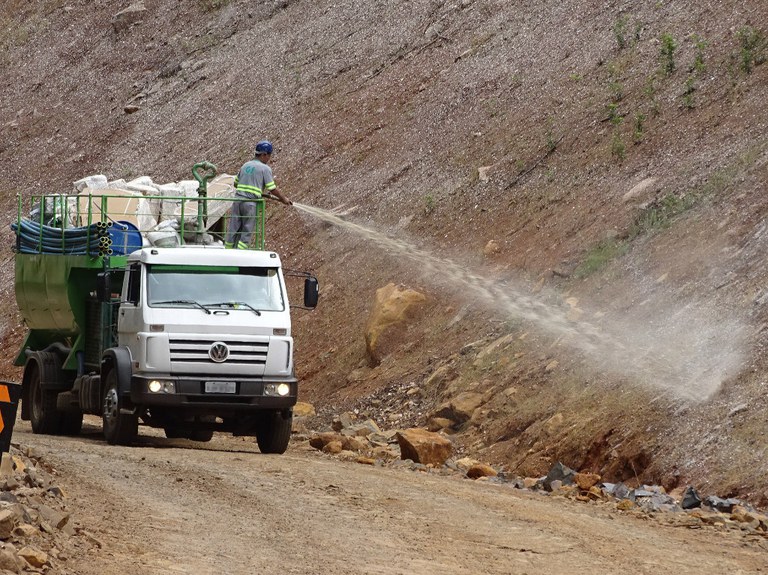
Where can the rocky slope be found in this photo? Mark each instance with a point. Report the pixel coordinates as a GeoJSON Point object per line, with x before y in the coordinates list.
{"type": "Point", "coordinates": [591, 179]}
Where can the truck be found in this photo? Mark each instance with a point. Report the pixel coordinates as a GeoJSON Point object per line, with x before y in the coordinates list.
{"type": "Point", "coordinates": [191, 339]}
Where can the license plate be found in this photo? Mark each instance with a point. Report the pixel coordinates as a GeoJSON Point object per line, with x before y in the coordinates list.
{"type": "Point", "coordinates": [220, 387]}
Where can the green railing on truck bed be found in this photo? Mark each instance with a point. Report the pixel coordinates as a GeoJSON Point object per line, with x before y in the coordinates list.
{"type": "Point", "coordinates": [89, 224]}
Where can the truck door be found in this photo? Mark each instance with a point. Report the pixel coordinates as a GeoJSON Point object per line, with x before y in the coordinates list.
{"type": "Point", "coordinates": [130, 317]}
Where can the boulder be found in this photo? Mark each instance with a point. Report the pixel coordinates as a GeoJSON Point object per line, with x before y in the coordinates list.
{"type": "Point", "coordinates": [641, 190]}
{"type": "Point", "coordinates": [722, 505]}
{"type": "Point", "coordinates": [333, 447]}
{"type": "Point", "coordinates": [481, 470]}
{"type": "Point", "coordinates": [366, 428]}
{"type": "Point", "coordinates": [393, 307]}
{"type": "Point", "coordinates": [560, 473]}
{"type": "Point", "coordinates": [585, 481]}
{"type": "Point", "coordinates": [459, 409]}
{"type": "Point", "coordinates": [465, 463]}
{"type": "Point", "coordinates": [320, 440]}
{"type": "Point", "coordinates": [34, 557]}
{"type": "Point", "coordinates": [743, 515]}
{"type": "Point", "coordinates": [384, 453]}
{"type": "Point", "coordinates": [126, 18]}
{"type": "Point", "coordinates": [422, 446]}
{"type": "Point", "coordinates": [438, 423]}
{"type": "Point", "coordinates": [8, 521]}
{"type": "Point", "coordinates": [53, 517]}
{"type": "Point", "coordinates": [530, 482]}
{"type": "Point", "coordinates": [304, 409]}
{"type": "Point", "coordinates": [355, 443]}
{"type": "Point", "coordinates": [691, 499]}
{"type": "Point", "coordinates": [9, 560]}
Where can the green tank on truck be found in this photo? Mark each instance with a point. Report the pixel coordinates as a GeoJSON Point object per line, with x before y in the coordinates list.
{"type": "Point", "coordinates": [191, 339]}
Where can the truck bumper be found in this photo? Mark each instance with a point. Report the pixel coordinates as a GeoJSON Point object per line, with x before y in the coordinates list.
{"type": "Point", "coordinates": [243, 395]}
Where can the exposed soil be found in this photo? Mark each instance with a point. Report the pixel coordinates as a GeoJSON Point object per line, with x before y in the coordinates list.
{"type": "Point", "coordinates": [391, 108]}
{"type": "Point", "coordinates": [165, 507]}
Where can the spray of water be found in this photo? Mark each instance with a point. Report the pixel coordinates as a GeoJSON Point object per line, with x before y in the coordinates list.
{"type": "Point", "coordinates": [688, 350]}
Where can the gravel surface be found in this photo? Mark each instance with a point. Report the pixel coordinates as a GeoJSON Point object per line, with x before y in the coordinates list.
{"type": "Point", "coordinates": [175, 507]}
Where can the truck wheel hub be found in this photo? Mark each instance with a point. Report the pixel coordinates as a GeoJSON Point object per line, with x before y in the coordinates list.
{"type": "Point", "coordinates": [110, 404]}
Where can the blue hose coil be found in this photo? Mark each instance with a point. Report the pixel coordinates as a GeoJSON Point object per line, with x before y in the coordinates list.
{"type": "Point", "coordinates": [34, 238]}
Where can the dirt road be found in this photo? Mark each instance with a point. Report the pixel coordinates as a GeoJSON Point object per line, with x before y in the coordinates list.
{"type": "Point", "coordinates": [176, 507]}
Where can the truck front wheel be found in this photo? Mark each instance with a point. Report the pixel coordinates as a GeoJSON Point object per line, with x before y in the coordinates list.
{"type": "Point", "coordinates": [119, 428]}
{"type": "Point", "coordinates": [273, 431]}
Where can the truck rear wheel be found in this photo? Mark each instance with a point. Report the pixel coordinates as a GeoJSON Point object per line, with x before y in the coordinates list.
{"type": "Point", "coordinates": [273, 431]}
{"type": "Point", "coordinates": [119, 428]}
{"type": "Point", "coordinates": [43, 414]}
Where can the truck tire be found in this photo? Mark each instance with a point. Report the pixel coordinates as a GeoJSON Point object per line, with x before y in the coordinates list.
{"type": "Point", "coordinates": [273, 431]}
{"type": "Point", "coordinates": [119, 428]}
{"type": "Point", "coordinates": [44, 416]}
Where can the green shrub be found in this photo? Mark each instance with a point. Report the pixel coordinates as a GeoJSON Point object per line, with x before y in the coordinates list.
{"type": "Point", "coordinates": [668, 48]}
{"type": "Point", "coordinates": [599, 256]}
{"type": "Point", "coordinates": [660, 212]}
{"type": "Point", "coordinates": [429, 204]}
{"type": "Point", "coordinates": [752, 44]}
{"type": "Point", "coordinates": [614, 117]}
{"type": "Point", "coordinates": [688, 91]}
{"type": "Point", "coordinates": [618, 150]}
{"type": "Point", "coordinates": [699, 67]}
{"type": "Point", "coordinates": [639, 132]}
{"type": "Point", "coordinates": [619, 31]}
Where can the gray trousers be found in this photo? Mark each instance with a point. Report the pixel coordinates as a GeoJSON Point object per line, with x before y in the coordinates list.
{"type": "Point", "coordinates": [242, 222]}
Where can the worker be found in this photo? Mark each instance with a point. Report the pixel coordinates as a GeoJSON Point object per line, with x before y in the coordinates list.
{"type": "Point", "coordinates": [252, 181]}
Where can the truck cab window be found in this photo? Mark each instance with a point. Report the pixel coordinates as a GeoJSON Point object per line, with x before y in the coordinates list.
{"type": "Point", "coordinates": [225, 286]}
{"type": "Point", "coordinates": [134, 284]}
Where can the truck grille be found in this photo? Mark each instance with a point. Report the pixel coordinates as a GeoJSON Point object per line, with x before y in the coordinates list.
{"type": "Point", "coordinates": [196, 351]}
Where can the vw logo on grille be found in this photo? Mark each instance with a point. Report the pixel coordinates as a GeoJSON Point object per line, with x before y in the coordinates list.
{"type": "Point", "coordinates": [219, 352]}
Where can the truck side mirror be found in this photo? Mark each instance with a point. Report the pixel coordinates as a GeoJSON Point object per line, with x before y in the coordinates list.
{"type": "Point", "coordinates": [104, 287]}
{"type": "Point", "coordinates": [311, 292]}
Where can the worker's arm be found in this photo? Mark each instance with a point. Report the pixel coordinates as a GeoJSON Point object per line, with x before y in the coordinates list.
{"type": "Point", "coordinates": [276, 193]}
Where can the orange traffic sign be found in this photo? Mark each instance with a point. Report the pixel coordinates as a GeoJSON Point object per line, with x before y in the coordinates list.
{"type": "Point", "coordinates": [9, 401]}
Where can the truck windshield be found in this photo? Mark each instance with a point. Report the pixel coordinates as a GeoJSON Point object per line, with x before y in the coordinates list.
{"type": "Point", "coordinates": [215, 286]}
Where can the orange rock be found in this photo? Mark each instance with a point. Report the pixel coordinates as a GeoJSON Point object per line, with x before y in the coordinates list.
{"type": "Point", "coordinates": [320, 440]}
{"type": "Point", "coordinates": [392, 307]}
{"type": "Point", "coordinates": [481, 470]}
{"type": "Point", "coordinates": [422, 446]}
{"type": "Point", "coordinates": [586, 480]}
{"type": "Point", "coordinates": [333, 447]}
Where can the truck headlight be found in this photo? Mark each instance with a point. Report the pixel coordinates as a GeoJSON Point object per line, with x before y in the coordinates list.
{"type": "Point", "coordinates": [281, 389]}
{"type": "Point", "coordinates": [160, 386]}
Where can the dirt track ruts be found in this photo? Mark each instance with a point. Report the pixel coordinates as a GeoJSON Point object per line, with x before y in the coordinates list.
{"type": "Point", "coordinates": [179, 507]}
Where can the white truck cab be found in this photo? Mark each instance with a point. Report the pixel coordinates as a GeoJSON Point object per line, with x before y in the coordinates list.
{"type": "Point", "coordinates": [204, 343]}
